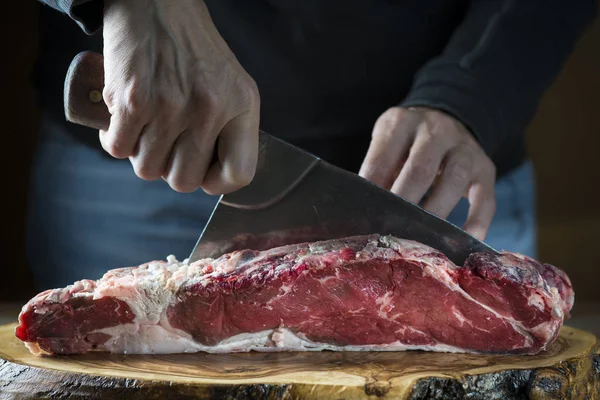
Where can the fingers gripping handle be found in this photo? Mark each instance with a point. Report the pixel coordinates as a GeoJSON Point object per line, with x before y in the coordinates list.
{"type": "Point", "coordinates": [83, 101]}
{"type": "Point", "coordinates": [280, 166]}
{"type": "Point", "coordinates": [84, 83]}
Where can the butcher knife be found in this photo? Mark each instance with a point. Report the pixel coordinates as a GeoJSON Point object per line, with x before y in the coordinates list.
{"type": "Point", "coordinates": [294, 197]}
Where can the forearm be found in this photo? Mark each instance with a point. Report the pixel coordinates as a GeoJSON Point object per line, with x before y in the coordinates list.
{"type": "Point", "coordinates": [499, 62]}
{"type": "Point", "coordinates": [86, 13]}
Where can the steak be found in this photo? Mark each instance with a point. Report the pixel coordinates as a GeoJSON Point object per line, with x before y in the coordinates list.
{"type": "Point", "coordinates": [361, 293]}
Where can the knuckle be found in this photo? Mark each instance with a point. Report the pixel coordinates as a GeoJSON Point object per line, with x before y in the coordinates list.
{"type": "Point", "coordinates": [169, 101]}
{"type": "Point", "coordinates": [460, 170]}
{"type": "Point", "coordinates": [483, 159]}
{"type": "Point", "coordinates": [423, 170]}
{"type": "Point", "coordinates": [184, 187]}
{"type": "Point", "coordinates": [459, 173]}
{"type": "Point", "coordinates": [115, 147]}
{"type": "Point", "coordinates": [135, 99]}
{"type": "Point", "coordinates": [391, 118]}
{"type": "Point", "coordinates": [184, 184]}
{"type": "Point", "coordinates": [432, 137]}
{"type": "Point", "coordinates": [239, 178]}
{"type": "Point", "coordinates": [115, 150]}
{"type": "Point", "coordinates": [250, 91]}
{"type": "Point", "coordinates": [387, 127]}
{"type": "Point", "coordinates": [130, 99]}
{"type": "Point", "coordinates": [168, 119]}
{"type": "Point", "coordinates": [210, 101]}
{"type": "Point", "coordinates": [432, 125]}
{"type": "Point", "coordinates": [395, 114]}
{"type": "Point", "coordinates": [146, 170]}
{"type": "Point", "coordinates": [109, 97]}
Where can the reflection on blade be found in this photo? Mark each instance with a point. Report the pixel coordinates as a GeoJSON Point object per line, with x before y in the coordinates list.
{"type": "Point", "coordinates": [331, 203]}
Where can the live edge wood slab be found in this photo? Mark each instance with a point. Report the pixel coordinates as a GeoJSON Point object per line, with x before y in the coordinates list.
{"type": "Point", "coordinates": [570, 369]}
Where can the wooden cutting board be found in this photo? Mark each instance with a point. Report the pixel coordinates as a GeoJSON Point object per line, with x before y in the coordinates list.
{"type": "Point", "coordinates": [570, 369]}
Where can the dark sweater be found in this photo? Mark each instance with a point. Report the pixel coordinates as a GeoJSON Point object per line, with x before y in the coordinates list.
{"type": "Point", "coordinates": [327, 69]}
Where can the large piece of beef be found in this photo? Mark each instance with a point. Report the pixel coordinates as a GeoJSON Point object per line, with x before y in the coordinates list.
{"type": "Point", "coordinates": [359, 293]}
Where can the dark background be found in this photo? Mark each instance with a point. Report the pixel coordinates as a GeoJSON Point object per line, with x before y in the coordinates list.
{"type": "Point", "coordinates": [563, 138]}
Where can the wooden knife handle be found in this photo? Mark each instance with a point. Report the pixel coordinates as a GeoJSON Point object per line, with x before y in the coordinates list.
{"type": "Point", "coordinates": [84, 83]}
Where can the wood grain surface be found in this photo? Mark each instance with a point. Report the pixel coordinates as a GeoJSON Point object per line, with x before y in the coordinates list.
{"type": "Point", "coordinates": [569, 369]}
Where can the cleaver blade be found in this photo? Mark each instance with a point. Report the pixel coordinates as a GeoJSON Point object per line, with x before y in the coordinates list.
{"type": "Point", "coordinates": [294, 196]}
{"type": "Point", "coordinates": [298, 197]}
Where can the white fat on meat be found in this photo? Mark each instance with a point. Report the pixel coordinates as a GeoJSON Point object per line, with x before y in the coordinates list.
{"type": "Point", "coordinates": [150, 288]}
{"type": "Point", "coordinates": [440, 269]}
{"type": "Point", "coordinates": [536, 301]}
{"type": "Point", "coordinates": [155, 339]}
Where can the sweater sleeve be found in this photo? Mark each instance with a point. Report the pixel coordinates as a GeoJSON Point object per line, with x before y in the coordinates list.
{"type": "Point", "coordinates": [499, 62]}
{"type": "Point", "coordinates": [88, 14]}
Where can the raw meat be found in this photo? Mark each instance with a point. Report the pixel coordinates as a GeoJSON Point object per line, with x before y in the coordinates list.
{"type": "Point", "coordinates": [360, 293]}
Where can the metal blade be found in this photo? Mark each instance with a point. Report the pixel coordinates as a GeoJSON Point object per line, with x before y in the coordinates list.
{"type": "Point", "coordinates": [296, 197]}
{"type": "Point", "coordinates": [293, 197]}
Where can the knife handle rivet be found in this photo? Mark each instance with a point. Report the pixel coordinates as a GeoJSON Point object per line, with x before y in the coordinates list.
{"type": "Point", "coordinates": [95, 96]}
